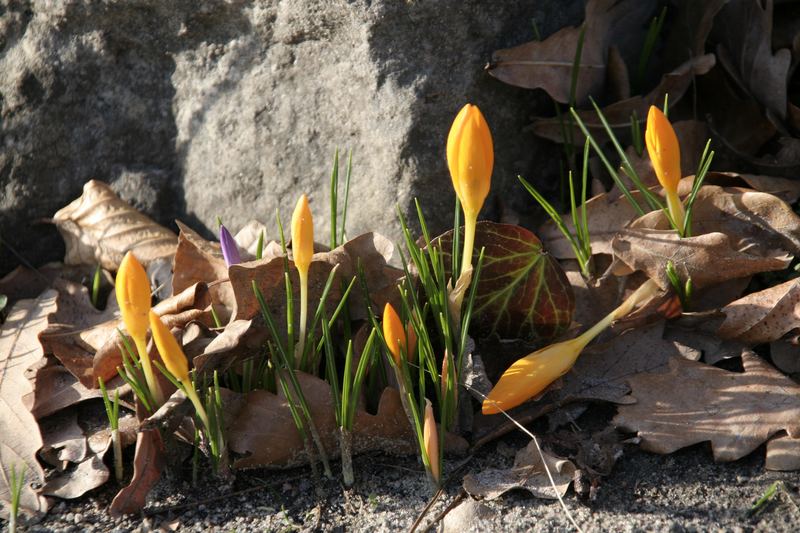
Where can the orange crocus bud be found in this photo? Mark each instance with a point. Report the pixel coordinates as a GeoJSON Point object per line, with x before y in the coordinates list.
{"type": "Point", "coordinates": [532, 374]}
{"type": "Point", "coordinates": [663, 148]}
{"type": "Point", "coordinates": [393, 332]}
{"type": "Point", "coordinates": [133, 295]}
{"type": "Point", "coordinates": [302, 235]}
{"type": "Point", "coordinates": [171, 352]}
{"type": "Point", "coordinates": [665, 154]}
{"type": "Point", "coordinates": [430, 437]}
{"type": "Point", "coordinates": [470, 157]}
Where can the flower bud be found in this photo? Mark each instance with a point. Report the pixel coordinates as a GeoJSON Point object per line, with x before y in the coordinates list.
{"type": "Point", "coordinates": [171, 352]}
{"type": "Point", "coordinates": [302, 235]}
{"type": "Point", "coordinates": [663, 148]}
{"type": "Point", "coordinates": [230, 250]}
{"type": "Point", "coordinates": [430, 437]}
{"type": "Point", "coordinates": [133, 295]}
{"type": "Point", "coordinates": [470, 158]}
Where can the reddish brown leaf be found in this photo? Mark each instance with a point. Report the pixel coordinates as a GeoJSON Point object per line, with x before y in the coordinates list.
{"type": "Point", "coordinates": [522, 291]}
{"type": "Point", "coordinates": [100, 228]}
{"type": "Point", "coordinates": [148, 464]}
{"type": "Point", "coordinates": [695, 402]}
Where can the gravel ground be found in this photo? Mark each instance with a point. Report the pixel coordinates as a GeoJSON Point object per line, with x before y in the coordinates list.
{"type": "Point", "coordinates": [684, 491]}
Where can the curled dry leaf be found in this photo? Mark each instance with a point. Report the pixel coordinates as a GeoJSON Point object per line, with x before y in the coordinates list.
{"type": "Point", "coordinates": [522, 291]}
{"type": "Point", "coordinates": [548, 64]}
{"type": "Point", "coordinates": [264, 431]}
{"type": "Point", "coordinates": [763, 316]}
{"type": "Point", "coordinates": [99, 227]}
{"type": "Point", "coordinates": [528, 473]}
{"type": "Point", "coordinates": [372, 250]}
{"type": "Point", "coordinates": [240, 340]}
{"type": "Point", "coordinates": [741, 234]}
{"type": "Point", "coordinates": [56, 388]}
{"type": "Point", "coordinates": [695, 402]}
{"type": "Point", "coordinates": [649, 250]}
{"type": "Point", "coordinates": [20, 438]}
{"type": "Point", "coordinates": [86, 340]}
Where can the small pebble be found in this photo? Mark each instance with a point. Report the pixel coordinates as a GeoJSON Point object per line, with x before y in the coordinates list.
{"type": "Point", "coordinates": [78, 518]}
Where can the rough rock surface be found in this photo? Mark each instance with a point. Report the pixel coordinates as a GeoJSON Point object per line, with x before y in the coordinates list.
{"type": "Point", "coordinates": [197, 109]}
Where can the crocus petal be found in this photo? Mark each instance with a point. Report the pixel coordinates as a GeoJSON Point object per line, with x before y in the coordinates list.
{"type": "Point", "coordinates": [302, 234]}
{"type": "Point", "coordinates": [171, 352]}
{"type": "Point", "coordinates": [393, 332]}
{"type": "Point", "coordinates": [430, 437]}
{"type": "Point", "coordinates": [230, 251]}
{"type": "Point", "coordinates": [530, 375]}
{"type": "Point", "coordinates": [470, 158]}
{"type": "Point", "coordinates": [133, 295]}
{"type": "Point", "coordinates": [663, 148]}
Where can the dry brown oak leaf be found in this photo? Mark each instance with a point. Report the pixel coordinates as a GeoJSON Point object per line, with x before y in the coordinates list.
{"type": "Point", "coordinates": [99, 227]}
{"type": "Point", "coordinates": [763, 316]}
{"type": "Point", "coordinates": [695, 402]}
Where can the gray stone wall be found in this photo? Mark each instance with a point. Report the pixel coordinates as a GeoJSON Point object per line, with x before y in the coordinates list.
{"type": "Point", "coordinates": [197, 109]}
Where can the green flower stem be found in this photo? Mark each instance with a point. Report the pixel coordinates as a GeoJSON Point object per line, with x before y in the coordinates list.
{"type": "Point", "coordinates": [147, 368]}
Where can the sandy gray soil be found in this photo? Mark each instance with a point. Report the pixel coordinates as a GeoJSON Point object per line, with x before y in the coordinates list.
{"type": "Point", "coordinates": [685, 491]}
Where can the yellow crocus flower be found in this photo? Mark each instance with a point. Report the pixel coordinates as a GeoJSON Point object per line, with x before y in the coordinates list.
{"type": "Point", "coordinates": [175, 361]}
{"type": "Point", "coordinates": [133, 298]}
{"type": "Point", "coordinates": [533, 373]}
{"type": "Point", "coordinates": [302, 251]}
{"type": "Point", "coordinates": [470, 158]}
{"type": "Point", "coordinates": [665, 154]}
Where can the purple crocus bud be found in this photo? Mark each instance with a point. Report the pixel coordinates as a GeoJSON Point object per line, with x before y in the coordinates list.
{"type": "Point", "coordinates": [229, 249]}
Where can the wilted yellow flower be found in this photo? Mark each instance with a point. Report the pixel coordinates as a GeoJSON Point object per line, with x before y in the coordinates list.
{"type": "Point", "coordinates": [532, 374]}
{"type": "Point", "coordinates": [665, 154]}
{"type": "Point", "coordinates": [133, 295]}
{"type": "Point", "coordinates": [302, 234]}
{"type": "Point", "coordinates": [397, 339]}
{"type": "Point", "coordinates": [430, 438]}
{"type": "Point", "coordinates": [470, 158]}
{"type": "Point", "coordinates": [171, 352]}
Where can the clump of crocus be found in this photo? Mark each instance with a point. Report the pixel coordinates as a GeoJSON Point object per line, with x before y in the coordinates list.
{"type": "Point", "coordinates": [470, 158]}
{"type": "Point", "coordinates": [175, 361]}
{"type": "Point", "coordinates": [530, 375]}
{"type": "Point", "coordinates": [230, 251]}
{"type": "Point", "coordinates": [302, 251]}
{"type": "Point", "coordinates": [399, 340]}
{"type": "Point", "coordinates": [133, 297]}
{"type": "Point", "coordinates": [665, 154]}
{"type": "Point", "coordinates": [431, 440]}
